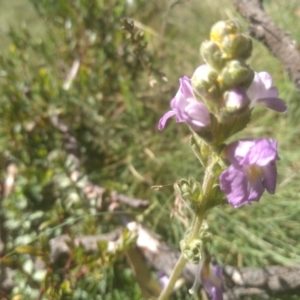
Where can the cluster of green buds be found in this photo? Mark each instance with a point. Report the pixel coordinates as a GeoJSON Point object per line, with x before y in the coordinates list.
{"type": "Point", "coordinates": [225, 70]}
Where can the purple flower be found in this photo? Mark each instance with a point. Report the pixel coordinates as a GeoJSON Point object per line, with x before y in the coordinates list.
{"type": "Point", "coordinates": [252, 170]}
{"type": "Point", "coordinates": [211, 278]}
{"type": "Point", "coordinates": [163, 279]}
{"type": "Point", "coordinates": [186, 108]}
{"type": "Point", "coordinates": [262, 91]}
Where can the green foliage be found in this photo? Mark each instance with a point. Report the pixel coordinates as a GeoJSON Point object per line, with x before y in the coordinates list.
{"type": "Point", "coordinates": [112, 110]}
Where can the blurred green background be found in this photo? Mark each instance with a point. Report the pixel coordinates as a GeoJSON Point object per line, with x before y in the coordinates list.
{"type": "Point", "coordinates": [112, 107]}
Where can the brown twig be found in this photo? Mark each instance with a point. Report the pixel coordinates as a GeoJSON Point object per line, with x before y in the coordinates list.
{"type": "Point", "coordinates": [89, 189]}
{"type": "Point", "coordinates": [278, 42]}
{"type": "Point", "coordinates": [240, 282]}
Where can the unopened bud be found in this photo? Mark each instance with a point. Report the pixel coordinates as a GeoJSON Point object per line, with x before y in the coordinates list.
{"type": "Point", "coordinates": [236, 73]}
{"type": "Point", "coordinates": [182, 188]}
{"type": "Point", "coordinates": [192, 251]}
{"type": "Point", "coordinates": [223, 28]}
{"type": "Point", "coordinates": [204, 83]}
{"type": "Point", "coordinates": [237, 46]}
{"type": "Point", "coordinates": [212, 54]}
{"type": "Point", "coordinates": [191, 192]}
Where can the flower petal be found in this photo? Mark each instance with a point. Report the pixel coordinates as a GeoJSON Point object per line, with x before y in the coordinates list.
{"type": "Point", "coordinates": [236, 151]}
{"type": "Point", "coordinates": [252, 170]}
{"type": "Point", "coordinates": [276, 104]}
{"type": "Point", "coordinates": [185, 91]}
{"type": "Point", "coordinates": [234, 183]}
{"type": "Point", "coordinates": [270, 177]}
{"type": "Point", "coordinates": [260, 88]}
{"type": "Point", "coordinates": [186, 87]}
{"type": "Point", "coordinates": [261, 153]}
{"type": "Point", "coordinates": [198, 115]}
{"type": "Point", "coordinates": [187, 108]}
{"type": "Point", "coordinates": [257, 89]}
{"type": "Point", "coordinates": [163, 279]}
{"type": "Point", "coordinates": [164, 118]}
{"type": "Point", "coordinates": [266, 78]}
{"type": "Point", "coordinates": [211, 278]}
{"type": "Point", "coordinates": [262, 91]}
{"type": "Point", "coordinates": [255, 189]}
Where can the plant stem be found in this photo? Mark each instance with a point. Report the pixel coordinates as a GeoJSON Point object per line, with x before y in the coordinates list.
{"type": "Point", "coordinates": [175, 274]}
{"type": "Point", "coordinates": [196, 225]}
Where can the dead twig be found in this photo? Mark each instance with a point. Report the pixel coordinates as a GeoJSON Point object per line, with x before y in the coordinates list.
{"type": "Point", "coordinates": [89, 189]}
{"type": "Point", "coordinates": [278, 42]}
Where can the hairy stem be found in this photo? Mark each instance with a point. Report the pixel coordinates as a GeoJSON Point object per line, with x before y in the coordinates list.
{"type": "Point", "coordinates": [196, 225]}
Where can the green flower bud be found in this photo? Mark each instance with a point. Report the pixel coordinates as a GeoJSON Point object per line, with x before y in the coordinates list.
{"type": "Point", "coordinates": [191, 192]}
{"type": "Point", "coordinates": [204, 83]}
{"type": "Point", "coordinates": [200, 148]}
{"type": "Point", "coordinates": [192, 251]}
{"type": "Point", "coordinates": [212, 54]}
{"type": "Point", "coordinates": [237, 46]}
{"type": "Point", "coordinates": [205, 236]}
{"type": "Point", "coordinates": [223, 28]}
{"type": "Point", "coordinates": [236, 73]}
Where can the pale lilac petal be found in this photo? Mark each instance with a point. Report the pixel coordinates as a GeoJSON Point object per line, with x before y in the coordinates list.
{"type": "Point", "coordinates": [211, 278]}
{"type": "Point", "coordinates": [163, 279]}
{"type": "Point", "coordinates": [218, 271]}
{"type": "Point", "coordinates": [236, 151]}
{"type": "Point", "coordinates": [276, 104]}
{"type": "Point", "coordinates": [256, 89]}
{"type": "Point", "coordinates": [198, 114]}
{"type": "Point", "coordinates": [266, 78]}
{"type": "Point", "coordinates": [252, 170]}
{"type": "Point", "coordinates": [234, 183]}
{"type": "Point", "coordinates": [184, 92]}
{"type": "Point", "coordinates": [236, 99]}
{"type": "Point", "coordinates": [164, 118]}
{"type": "Point", "coordinates": [186, 108]}
{"type": "Point", "coordinates": [273, 92]}
{"type": "Point", "coordinates": [270, 177]}
{"type": "Point", "coordinates": [262, 153]}
{"type": "Point", "coordinates": [261, 91]}
{"type": "Point", "coordinates": [186, 87]}
{"type": "Point", "coordinates": [179, 102]}
{"type": "Point", "coordinates": [238, 188]}
{"type": "Point", "coordinates": [255, 189]}
{"type": "Point", "coordinates": [216, 293]}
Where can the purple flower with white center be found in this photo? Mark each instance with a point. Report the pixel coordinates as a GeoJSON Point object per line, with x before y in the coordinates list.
{"type": "Point", "coordinates": [186, 108]}
{"type": "Point", "coordinates": [252, 170]}
{"type": "Point", "coordinates": [211, 279]}
{"type": "Point", "coordinates": [262, 91]}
